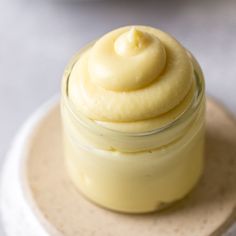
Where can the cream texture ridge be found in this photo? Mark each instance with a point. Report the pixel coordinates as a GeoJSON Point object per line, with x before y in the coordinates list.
{"type": "Point", "coordinates": [131, 76]}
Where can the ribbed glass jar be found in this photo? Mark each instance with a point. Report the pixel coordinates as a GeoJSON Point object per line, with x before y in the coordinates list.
{"type": "Point", "coordinates": [134, 172]}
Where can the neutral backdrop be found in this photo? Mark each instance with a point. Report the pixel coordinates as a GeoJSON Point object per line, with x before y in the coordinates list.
{"type": "Point", "coordinates": [38, 37]}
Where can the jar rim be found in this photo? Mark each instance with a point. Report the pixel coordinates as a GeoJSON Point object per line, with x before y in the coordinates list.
{"type": "Point", "coordinates": [90, 124]}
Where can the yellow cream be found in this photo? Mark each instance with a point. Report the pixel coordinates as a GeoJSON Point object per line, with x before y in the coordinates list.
{"type": "Point", "coordinates": [133, 114]}
{"type": "Point", "coordinates": [131, 74]}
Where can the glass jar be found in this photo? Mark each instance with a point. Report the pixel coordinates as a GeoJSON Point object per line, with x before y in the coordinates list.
{"type": "Point", "coordinates": [134, 172]}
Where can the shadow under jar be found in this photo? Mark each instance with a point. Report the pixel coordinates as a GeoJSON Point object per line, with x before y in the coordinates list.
{"type": "Point", "coordinates": [135, 172]}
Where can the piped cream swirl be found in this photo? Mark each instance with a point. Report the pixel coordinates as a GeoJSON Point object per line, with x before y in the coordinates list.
{"type": "Point", "coordinates": [131, 74]}
{"type": "Point", "coordinates": [133, 61]}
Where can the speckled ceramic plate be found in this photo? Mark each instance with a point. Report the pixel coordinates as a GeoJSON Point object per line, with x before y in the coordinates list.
{"type": "Point", "coordinates": [38, 199]}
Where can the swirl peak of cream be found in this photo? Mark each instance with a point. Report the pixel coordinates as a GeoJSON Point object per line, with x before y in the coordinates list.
{"type": "Point", "coordinates": [132, 42]}
{"type": "Point", "coordinates": [131, 74]}
{"type": "Point", "coordinates": [118, 61]}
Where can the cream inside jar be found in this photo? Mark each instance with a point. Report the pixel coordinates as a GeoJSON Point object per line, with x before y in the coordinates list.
{"type": "Point", "coordinates": [133, 114]}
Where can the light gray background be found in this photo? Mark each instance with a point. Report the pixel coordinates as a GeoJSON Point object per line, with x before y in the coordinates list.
{"type": "Point", "coordinates": [38, 37]}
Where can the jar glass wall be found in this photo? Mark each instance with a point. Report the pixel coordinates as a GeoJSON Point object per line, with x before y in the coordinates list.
{"type": "Point", "coordinates": [135, 172]}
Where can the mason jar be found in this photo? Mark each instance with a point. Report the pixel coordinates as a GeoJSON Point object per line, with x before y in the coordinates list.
{"type": "Point", "coordinates": [134, 172]}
